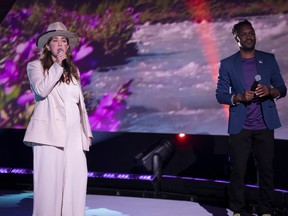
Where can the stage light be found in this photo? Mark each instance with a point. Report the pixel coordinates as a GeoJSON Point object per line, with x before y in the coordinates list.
{"type": "Point", "coordinates": [181, 135]}
{"type": "Point", "coordinates": [155, 158]}
{"type": "Point", "coordinates": [182, 140]}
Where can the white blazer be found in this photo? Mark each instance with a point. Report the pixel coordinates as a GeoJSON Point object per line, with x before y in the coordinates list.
{"type": "Point", "coordinates": [48, 121]}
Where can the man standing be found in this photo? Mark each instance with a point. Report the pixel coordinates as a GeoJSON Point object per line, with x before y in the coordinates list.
{"type": "Point", "coordinates": [249, 81]}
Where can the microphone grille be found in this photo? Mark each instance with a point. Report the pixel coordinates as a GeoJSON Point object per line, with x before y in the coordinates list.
{"type": "Point", "coordinates": [257, 78]}
{"type": "Point", "coordinates": [60, 50]}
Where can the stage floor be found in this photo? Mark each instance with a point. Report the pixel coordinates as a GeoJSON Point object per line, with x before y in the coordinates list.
{"type": "Point", "coordinates": [19, 203]}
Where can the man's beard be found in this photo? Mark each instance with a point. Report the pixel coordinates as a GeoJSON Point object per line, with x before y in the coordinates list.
{"type": "Point", "coordinates": [248, 48]}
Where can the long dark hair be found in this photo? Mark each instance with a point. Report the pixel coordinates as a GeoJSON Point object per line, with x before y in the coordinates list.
{"type": "Point", "coordinates": [47, 62]}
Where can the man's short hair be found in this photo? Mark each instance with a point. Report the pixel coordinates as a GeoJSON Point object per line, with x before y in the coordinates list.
{"type": "Point", "coordinates": [238, 25]}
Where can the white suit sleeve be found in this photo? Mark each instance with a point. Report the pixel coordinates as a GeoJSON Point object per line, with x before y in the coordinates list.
{"type": "Point", "coordinates": [42, 84]}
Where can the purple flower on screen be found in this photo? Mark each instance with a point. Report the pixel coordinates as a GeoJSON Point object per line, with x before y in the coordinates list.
{"type": "Point", "coordinates": [24, 14]}
{"type": "Point", "coordinates": [105, 115]}
{"type": "Point", "coordinates": [83, 50]}
{"type": "Point", "coordinates": [25, 98]}
{"type": "Point", "coordinates": [136, 18]}
{"type": "Point", "coordinates": [86, 77]}
{"type": "Point", "coordinates": [24, 51]}
{"type": "Point", "coordinates": [94, 22]}
{"type": "Point", "coordinates": [108, 12]}
{"type": "Point", "coordinates": [85, 56]}
{"type": "Point", "coordinates": [9, 73]}
{"type": "Point", "coordinates": [130, 10]}
{"type": "Point", "coordinates": [9, 89]}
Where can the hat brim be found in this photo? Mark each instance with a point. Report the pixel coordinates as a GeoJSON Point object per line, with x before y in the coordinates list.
{"type": "Point", "coordinates": [72, 37]}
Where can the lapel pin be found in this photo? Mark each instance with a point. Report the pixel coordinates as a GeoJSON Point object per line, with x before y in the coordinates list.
{"type": "Point", "coordinates": [260, 61]}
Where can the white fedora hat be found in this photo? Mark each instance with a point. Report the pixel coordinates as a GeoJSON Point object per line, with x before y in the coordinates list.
{"type": "Point", "coordinates": [57, 29]}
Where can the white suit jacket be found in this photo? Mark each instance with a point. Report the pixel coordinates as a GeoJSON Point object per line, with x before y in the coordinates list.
{"type": "Point", "coordinates": [48, 121]}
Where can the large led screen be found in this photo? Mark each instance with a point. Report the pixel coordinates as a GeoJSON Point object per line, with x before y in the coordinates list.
{"type": "Point", "coordinates": [146, 66]}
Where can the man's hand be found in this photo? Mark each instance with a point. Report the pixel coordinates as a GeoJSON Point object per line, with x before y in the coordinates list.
{"type": "Point", "coordinates": [262, 91]}
{"type": "Point", "coordinates": [244, 97]}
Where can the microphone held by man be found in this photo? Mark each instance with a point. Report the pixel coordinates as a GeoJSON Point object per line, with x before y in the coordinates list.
{"type": "Point", "coordinates": [255, 83]}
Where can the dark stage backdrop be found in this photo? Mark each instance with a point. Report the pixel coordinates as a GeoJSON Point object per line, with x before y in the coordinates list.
{"type": "Point", "coordinates": [197, 156]}
{"type": "Point", "coordinates": [146, 66]}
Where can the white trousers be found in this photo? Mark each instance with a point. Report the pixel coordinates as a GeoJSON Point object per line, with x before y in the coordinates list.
{"type": "Point", "coordinates": [60, 181]}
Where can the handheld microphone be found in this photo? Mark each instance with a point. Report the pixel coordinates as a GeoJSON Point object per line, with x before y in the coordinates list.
{"type": "Point", "coordinates": [255, 83]}
{"type": "Point", "coordinates": [64, 62]}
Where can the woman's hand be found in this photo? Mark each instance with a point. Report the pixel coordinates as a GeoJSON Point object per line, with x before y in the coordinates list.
{"type": "Point", "coordinates": [90, 141]}
{"type": "Point", "coordinates": [61, 55]}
